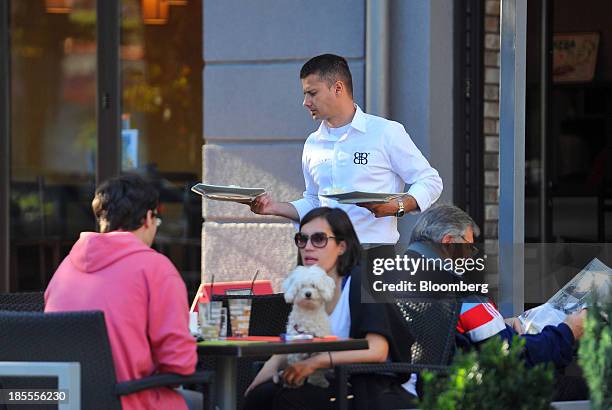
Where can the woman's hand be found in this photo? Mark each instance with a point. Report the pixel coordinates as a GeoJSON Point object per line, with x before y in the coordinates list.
{"type": "Point", "coordinates": [296, 374]}
{"type": "Point", "coordinates": [268, 372]}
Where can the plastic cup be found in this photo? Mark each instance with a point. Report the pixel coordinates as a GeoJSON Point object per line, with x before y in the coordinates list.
{"type": "Point", "coordinates": [223, 327]}
{"type": "Point", "coordinates": [240, 315]}
{"type": "Point", "coordinates": [193, 323]}
{"type": "Point", "coordinates": [210, 319]}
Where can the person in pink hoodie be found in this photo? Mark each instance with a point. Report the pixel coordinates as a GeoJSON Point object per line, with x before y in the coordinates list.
{"type": "Point", "coordinates": [142, 295]}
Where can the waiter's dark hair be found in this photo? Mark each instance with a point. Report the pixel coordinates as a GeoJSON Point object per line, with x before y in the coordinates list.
{"type": "Point", "coordinates": [330, 68]}
{"type": "Point", "coordinates": [122, 203]}
{"type": "Point", "coordinates": [343, 230]}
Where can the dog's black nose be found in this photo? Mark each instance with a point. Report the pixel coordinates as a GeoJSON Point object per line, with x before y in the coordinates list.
{"type": "Point", "coordinates": [308, 294]}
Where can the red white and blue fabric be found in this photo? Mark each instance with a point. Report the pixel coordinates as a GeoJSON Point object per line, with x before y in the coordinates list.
{"type": "Point", "coordinates": [479, 321]}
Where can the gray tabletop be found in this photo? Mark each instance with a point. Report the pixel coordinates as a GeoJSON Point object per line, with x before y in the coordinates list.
{"type": "Point", "coordinates": [266, 348]}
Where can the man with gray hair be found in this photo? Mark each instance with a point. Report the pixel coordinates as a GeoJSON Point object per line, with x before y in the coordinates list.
{"type": "Point", "coordinates": [445, 224]}
{"type": "Point", "coordinates": [479, 318]}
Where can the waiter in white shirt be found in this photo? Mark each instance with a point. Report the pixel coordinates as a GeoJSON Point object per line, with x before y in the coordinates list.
{"type": "Point", "coordinates": [354, 151]}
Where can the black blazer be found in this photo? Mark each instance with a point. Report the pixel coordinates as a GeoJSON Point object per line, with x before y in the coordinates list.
{"type": "Point", "coordinates": [380, 318]}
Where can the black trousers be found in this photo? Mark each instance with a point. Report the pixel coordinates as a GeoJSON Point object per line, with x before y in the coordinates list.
{"type": "Point", "coordinates": [570, 384]}
{"type": "Point", "coordinates": [376, 392]}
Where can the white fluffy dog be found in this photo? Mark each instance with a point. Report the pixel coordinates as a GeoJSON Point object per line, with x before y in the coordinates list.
{"type": "Point", "coordinates": [308, 288]}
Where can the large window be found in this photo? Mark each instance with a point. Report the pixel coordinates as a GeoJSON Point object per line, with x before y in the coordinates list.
{"type": "Point", "coordinates": [54, 116]}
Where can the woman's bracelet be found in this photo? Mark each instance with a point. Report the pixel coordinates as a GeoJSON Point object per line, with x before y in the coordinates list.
{"type": "Point", "coordinates": [331, 361]}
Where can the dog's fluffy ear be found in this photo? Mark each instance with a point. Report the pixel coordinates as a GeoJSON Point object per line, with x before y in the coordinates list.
{"type": "Point", "coordinates": [288, 284]}
{"type": "Point", "coordinates": [325, 284]}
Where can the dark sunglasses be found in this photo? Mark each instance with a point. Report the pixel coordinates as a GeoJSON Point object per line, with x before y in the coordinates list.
{"type": "Point", "coordinates": [317, 239]}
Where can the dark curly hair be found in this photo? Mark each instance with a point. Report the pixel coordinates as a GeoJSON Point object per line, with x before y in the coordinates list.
{"type": "Point", "coordinates": [122, 203]}
{"type": "Point", "coordinates": [343, 230]}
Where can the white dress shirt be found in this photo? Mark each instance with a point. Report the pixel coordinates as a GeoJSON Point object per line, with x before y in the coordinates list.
{"type": "Point", "coordinates": [371, 154]}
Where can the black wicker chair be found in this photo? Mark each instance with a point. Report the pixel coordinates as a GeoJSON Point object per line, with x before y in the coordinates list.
{"type": "Point", "coordinates": [22, 302]}
{"type": "Point", "coordinates": [269, 314]}
{"type": "Point", "coordinates": [77, 337]}
{"type": "Point", "coordinates": [432, 324]}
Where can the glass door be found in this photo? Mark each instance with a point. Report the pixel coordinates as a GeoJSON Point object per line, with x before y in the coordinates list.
{"type": "Point", "coordinates": [568, 143]}
{"type": "Point", "coordinates": [52, 133]}
{"type": "Point", "coordinates": [568, 127]}
{"type": "Point", "coordinates": [161, 82]}
{"type": "Point", "coordinates": [95, 88]}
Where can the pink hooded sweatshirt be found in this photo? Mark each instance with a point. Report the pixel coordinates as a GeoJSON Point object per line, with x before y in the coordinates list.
{"type": "Point", "coordinates": [144, 301]}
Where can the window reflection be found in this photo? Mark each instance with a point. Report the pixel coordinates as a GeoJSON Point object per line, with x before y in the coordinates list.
{"type": "Point", "coordinates": [161, 71]}
{"type": "Point", "coordinates": [53, 134]}
{"type": "Point", "coordinates": [54, 127]}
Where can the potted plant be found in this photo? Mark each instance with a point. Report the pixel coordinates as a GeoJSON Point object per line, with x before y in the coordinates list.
{"type": "Point", "coordinates": [595, 353]}
{"type": "Point", "coordinates": [493, 378]}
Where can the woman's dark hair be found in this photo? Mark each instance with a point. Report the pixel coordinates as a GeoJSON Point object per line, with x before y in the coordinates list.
{"type": "Point", "coordinates": [122, 203]}
{"type": "Point", "coordinates": [343, 230]}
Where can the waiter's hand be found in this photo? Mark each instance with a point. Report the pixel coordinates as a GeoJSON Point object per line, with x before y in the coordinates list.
{"type": "Point", "coordinates": [380, 210]}
{"type": "Point", "coordinates": [390, 208]}
{"type": "Point", "coordinates": [262, 204]}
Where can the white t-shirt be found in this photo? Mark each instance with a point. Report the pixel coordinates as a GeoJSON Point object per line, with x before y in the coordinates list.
{"type": "Point", "coordinates": [340, 318]}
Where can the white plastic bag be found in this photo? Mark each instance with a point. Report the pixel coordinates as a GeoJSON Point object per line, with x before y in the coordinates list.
{"type": "Point", "coordinates": [574, 296]}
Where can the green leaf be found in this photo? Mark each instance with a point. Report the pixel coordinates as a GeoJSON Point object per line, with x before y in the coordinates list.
{"type": "Point", "coordinates": [494, 378]}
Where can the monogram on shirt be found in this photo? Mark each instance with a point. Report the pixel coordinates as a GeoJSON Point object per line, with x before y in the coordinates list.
{"type": "Point", "coordinates": [361, 158]}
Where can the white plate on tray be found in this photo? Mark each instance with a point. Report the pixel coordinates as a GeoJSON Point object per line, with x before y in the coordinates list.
{"type": "Point", "coordinates": [230, 193]}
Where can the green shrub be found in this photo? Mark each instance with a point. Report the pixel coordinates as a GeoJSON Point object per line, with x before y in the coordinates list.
{"type": "Point", "coordinates": [595, 355]}
{"type": "Point", "coordinates": [494, 378]}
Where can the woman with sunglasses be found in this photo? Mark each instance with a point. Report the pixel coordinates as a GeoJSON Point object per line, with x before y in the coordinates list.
{"type": "Point", "coordinates": [327, 238]}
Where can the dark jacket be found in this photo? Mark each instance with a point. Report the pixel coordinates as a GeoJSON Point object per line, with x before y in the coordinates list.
{"type": "Point", "coordinates": [554, 344]}
{"type": "Point", "coordinates": [380, 318]}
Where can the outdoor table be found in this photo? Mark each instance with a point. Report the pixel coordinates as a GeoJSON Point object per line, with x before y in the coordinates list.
{"type": "Point", "coordinates": [228, 351]}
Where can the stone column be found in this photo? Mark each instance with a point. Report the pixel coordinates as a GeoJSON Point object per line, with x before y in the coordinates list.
{"type": "Point", "coordinates": [254, 123]}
